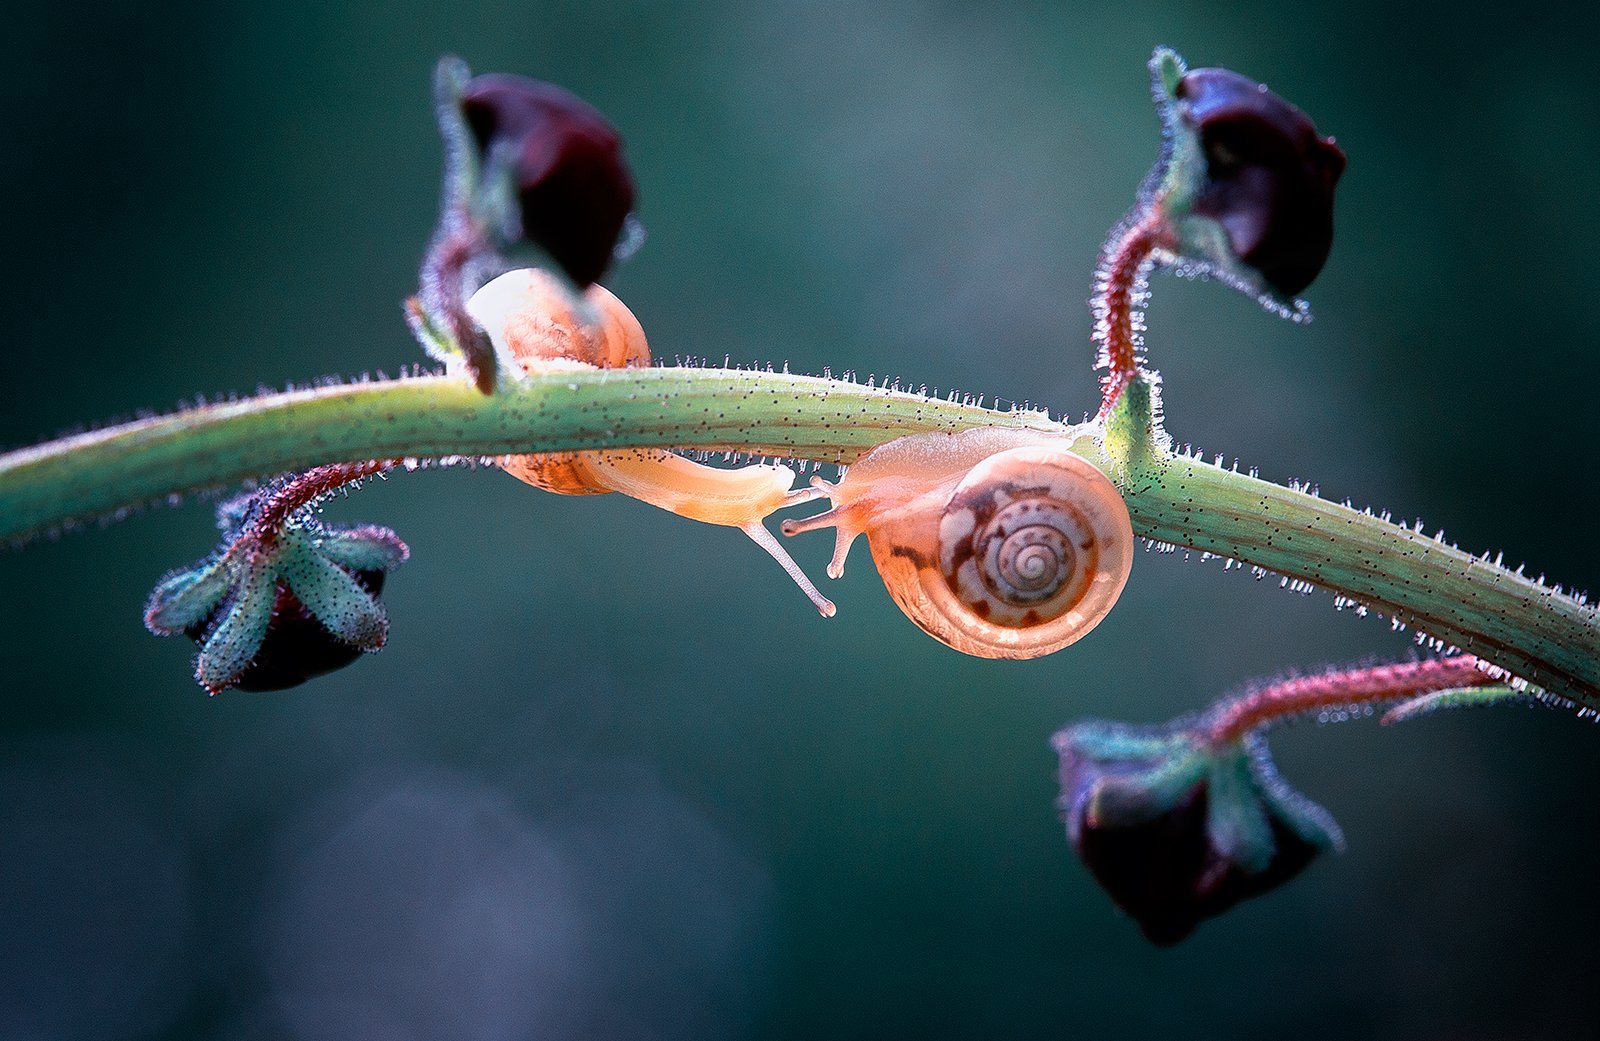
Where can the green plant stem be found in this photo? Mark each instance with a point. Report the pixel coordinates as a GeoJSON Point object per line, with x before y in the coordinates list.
{"type": "Point", "coordinates": [1535, 633]}
{"type": "Point", "coordinates": [106, 471]}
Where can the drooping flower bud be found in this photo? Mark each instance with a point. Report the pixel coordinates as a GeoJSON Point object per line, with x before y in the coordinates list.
{"type": "Point", "coordinates": [278, 605]}
{"type": "Point", "coordinates": [574, 190]}
{"type": "Point", "coordinates": [1245, 183]}
{"type": "Point", "coordinates": [534, 177]}
{"type": "Point", "coordinates": [1177, 831]}
{"type": "Point", "coordinates": [1269, 177]}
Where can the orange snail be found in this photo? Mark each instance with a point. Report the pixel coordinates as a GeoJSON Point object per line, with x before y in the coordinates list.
{"type": "Point", "coordinates": [537, 323]}
{"type": "Point", "coordinates": [999, 543]}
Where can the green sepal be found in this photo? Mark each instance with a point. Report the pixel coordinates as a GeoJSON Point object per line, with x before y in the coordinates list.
{"type": "Point", "coordinates": [1167, 68]}
{"type": "Point", "coordinates": [185, 597]}
{"type": "Point", "coordinates": [1456, 697]}
{"type": "Point", "coordinates": [1236, 820]}
{"type": "Point", "coordinates": [436, 340]}
{"type": "Point", "coordinates": [1126, 775]}
{"type": "Point", "coordinates": [233, 644]}
{"type": "Point", "coordinates": [1247, 794]}
{"type": "Point", "coordinates": [450, 77]}
{"type": "Point", "coordinates": [363, 548]}
{"type": "Point", "coordinates": [1179, 173]}
{"type": "Point", "coordinates": [332, 595]}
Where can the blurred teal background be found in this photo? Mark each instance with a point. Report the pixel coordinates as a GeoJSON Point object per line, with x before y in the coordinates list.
{"type": "Point", "coordinates": [613, 778]}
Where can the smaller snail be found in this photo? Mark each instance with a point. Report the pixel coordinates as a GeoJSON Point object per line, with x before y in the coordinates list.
{"type": "Point", "coordinates": [998, 543]}
{"type": "Point", "coordinates": [538, 325]}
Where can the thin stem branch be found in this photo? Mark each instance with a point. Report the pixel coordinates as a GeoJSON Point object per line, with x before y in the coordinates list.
{"type": "Point", "coordinates": [306, 487]}
{"type": "Point", "coordinates": [1120, 287]}
{"type": "Point", "coordinates": [1237, 717]}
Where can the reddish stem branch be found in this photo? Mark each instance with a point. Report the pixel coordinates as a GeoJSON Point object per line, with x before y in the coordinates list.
{"type": "Point", "coordinates": [1238, 717]}
{"type": "Point", "coordinates": [452, 271]}
{"type": "Point", "coordinates": [305, 487]}
{"type": "Point", "coordinates": [1120, 288]}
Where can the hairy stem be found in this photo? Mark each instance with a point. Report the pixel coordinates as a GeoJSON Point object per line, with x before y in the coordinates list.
{"type": "Point", "coordinates": [1121, 284]}
{"type": "Point", "coordinates": [1235, 718]}
{"type": "Point", "coordinates": [106, 471]}
{"type": "Point", "coordinates": [1532, 632]}
{"type": "Point", "coordinates": [1508, 621]}
{"type": "Point", "coordinates": [306, 487]}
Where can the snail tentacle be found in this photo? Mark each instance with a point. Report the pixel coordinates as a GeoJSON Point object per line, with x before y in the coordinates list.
{"type": "Point", "coordinates": [762, 537]}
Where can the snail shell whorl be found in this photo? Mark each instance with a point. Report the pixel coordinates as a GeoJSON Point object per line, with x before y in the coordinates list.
{"type": "Point", "coordinates": [565, 473]}
{"type": "Point", "coordinates": [1025, 556]}
{"type": "Point", "coordinates": [539, 324]}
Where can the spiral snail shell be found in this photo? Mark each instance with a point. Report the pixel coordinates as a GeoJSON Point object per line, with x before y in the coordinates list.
{"type": "Point", "coordinates": [998, 543]}
{"type": "Point", "coordinates": [538, 325]}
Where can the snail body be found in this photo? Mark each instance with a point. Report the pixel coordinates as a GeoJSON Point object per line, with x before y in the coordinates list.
{"type": "Point", "coordinates": [538, 325]}
{"type": "Point", "coordinates": [998, 543]}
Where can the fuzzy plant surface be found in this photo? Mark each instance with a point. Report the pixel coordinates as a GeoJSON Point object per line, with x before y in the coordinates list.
{"type": "Point", "coordinates": [537, 370]}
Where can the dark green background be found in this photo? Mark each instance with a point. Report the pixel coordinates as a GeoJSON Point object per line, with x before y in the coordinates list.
{"type": "Point", "coordinates": [613, 777]}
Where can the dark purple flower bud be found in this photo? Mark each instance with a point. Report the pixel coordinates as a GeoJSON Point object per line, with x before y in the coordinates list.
{"type": "Point", "coordinates": [1167, 875]}
{"type": "Point", "coordinates": [1176, 831]}
{"type": "Point", "coordinates": [296, 647]}
{"type": "Point", "coordinates": [1269, 178]}
{"type": "Point", "coordinates": [286, 598]}
{"type": "Point", "coordinates": [573, 186]}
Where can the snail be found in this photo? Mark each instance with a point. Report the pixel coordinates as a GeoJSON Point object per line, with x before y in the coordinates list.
{"type": "Point", "coordinates": [998, 543]}
{"type": "Point", "coordinates": [538, 325]}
